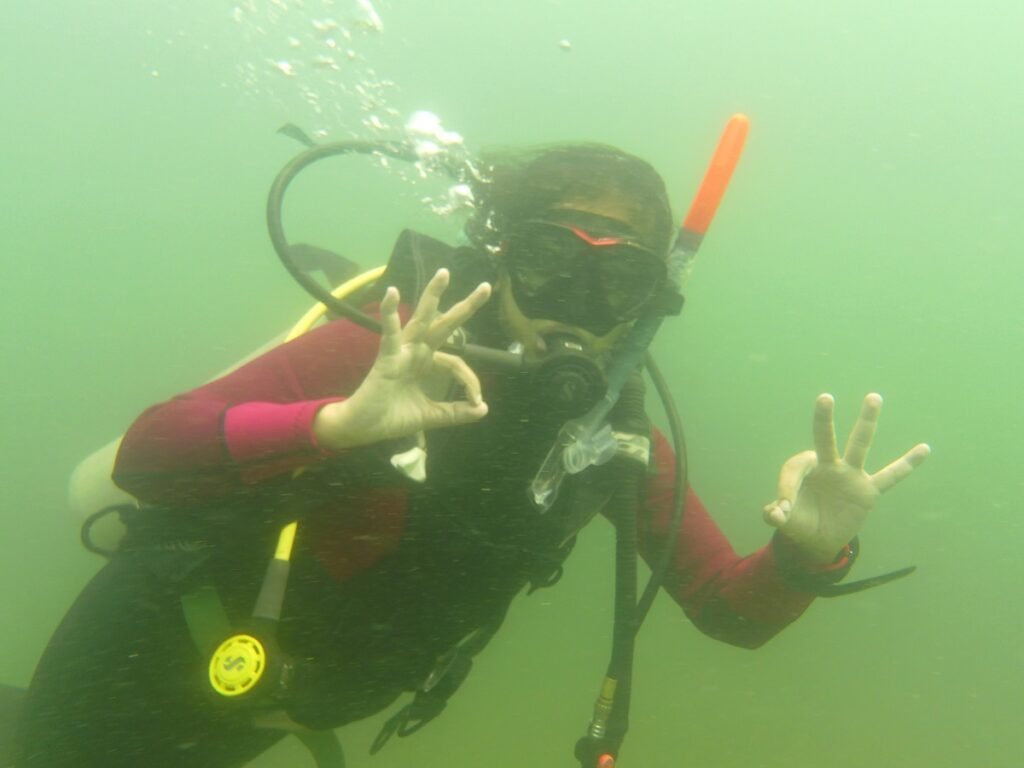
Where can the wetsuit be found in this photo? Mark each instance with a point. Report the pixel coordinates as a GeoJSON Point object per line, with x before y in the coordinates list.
{"type": "Point", "coordinates": [389, 574]}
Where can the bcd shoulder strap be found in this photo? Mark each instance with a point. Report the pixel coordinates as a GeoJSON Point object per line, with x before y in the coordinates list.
{"type": "Point", "coordinates": [416, 257]}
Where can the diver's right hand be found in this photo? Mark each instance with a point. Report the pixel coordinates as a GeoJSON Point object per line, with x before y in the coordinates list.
{"type": "Point", "coordinates": [394, 401]}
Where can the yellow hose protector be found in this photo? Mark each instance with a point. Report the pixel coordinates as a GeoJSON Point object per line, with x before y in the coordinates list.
{"type": "Point", "coordinates": [285, 542]}
{"type": "Point", "coordinates": [310, 319]}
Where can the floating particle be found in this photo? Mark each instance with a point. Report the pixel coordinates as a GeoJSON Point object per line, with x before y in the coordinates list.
{"type": "Point", "coordinates": [325, 62]}
{"type": "Point", "coordinates": [370, 18]}
{"type": "Point", "coordinates": [284, 67]}
{"type": "Point", "coordinates": [325, 26]}
{"type": "Point", "coordinates": [565, 44]}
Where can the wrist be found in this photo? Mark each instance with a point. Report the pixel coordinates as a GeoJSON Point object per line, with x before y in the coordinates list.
{"type": "Point", "coordinates": [333, 427]}
{"type": "Point", "coordinates": [808, 574]}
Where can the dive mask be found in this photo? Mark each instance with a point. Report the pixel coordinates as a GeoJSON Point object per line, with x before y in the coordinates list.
{"type": "Point", "coordinates": [582, 270]}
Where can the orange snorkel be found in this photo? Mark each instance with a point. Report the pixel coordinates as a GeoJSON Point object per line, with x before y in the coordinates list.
{"type": "Point", "coordinates": [712, 188]}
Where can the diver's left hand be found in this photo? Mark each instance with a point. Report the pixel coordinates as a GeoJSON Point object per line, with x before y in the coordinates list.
{"type": "Point", "coordinates": [824, 498]}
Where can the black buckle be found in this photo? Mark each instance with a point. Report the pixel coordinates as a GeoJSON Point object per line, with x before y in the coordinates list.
{"type": "Point", "coordinates": [429, 701]}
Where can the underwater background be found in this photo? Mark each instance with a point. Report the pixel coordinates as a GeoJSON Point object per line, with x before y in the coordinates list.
{"type": "Point", "coordinates": [870, 241]}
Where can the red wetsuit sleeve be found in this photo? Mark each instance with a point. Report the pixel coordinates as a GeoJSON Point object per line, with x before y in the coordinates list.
{"type": "Point", "coordinates": [743, 601]}
{"type": "Point", "coordinates": [250, 425]}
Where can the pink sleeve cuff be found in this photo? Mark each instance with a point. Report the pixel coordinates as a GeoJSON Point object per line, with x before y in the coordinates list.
{"type": "Point", "coordinates": [260, 432]}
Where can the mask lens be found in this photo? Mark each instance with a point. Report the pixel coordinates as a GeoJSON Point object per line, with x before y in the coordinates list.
{"type": "Point", "coordinates": [565, 274]}
{"type": "Point", "coordinates": [542, 257]}
{"type": "Point", "coordinates": [629, 276]}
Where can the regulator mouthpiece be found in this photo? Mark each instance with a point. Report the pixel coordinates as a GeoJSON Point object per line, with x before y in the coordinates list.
{"type": "Point", "coordinates": [568, 379]}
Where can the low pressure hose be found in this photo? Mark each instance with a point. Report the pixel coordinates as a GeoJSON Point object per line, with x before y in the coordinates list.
{"type": "Point", "coordinates": [608, 727]}
{"type": "Point", "coordinates": [493, 359]}
{"type": "Point", "coordinates": [275, 225]}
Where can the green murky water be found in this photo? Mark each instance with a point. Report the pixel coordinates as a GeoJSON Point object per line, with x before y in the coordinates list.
{"type": "Point", "coordinates": [869, 242]}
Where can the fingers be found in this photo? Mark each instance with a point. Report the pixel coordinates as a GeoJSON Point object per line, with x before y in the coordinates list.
{"type": "Point", "coordinates": [390, 324]}
{"type": "Point", "coordinates": [776, 514]}
{"type": "Point", "coordinates": [791, 478]}
{"type": "Point", "coordinates": [888, 476]}
{"type": "Point", "coordinates": [863, 433]}
{"type": "Point", "coordinates": [793, 472]}
{"type": "Point", "coordinates": [426, 309]}
{"type": "Point", "coordinates": [425, 325]}
{"type": "Point", "coordinates": [825, 430]}
{"type": "Point", "coordinates": [459, 369]}
{"type": "Point", "coordinates": [457, 315]}
{"type": "Point", "coordinates": [463, 411]}
{"type": "Point", "coordinates": [454, 414]}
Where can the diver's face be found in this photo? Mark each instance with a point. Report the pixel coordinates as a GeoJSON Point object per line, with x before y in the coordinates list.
{"type": "Point", "coordinates": [530, 332]}
{"type": "Point", "coordinates": [581, 270]}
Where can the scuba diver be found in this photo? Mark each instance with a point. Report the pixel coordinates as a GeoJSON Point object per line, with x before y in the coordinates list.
{"type": "Point", "coordinates": [395, 487]}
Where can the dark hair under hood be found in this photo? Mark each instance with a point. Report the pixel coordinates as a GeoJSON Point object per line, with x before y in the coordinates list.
{"type": "Point", "coordinates": [518, 185]}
